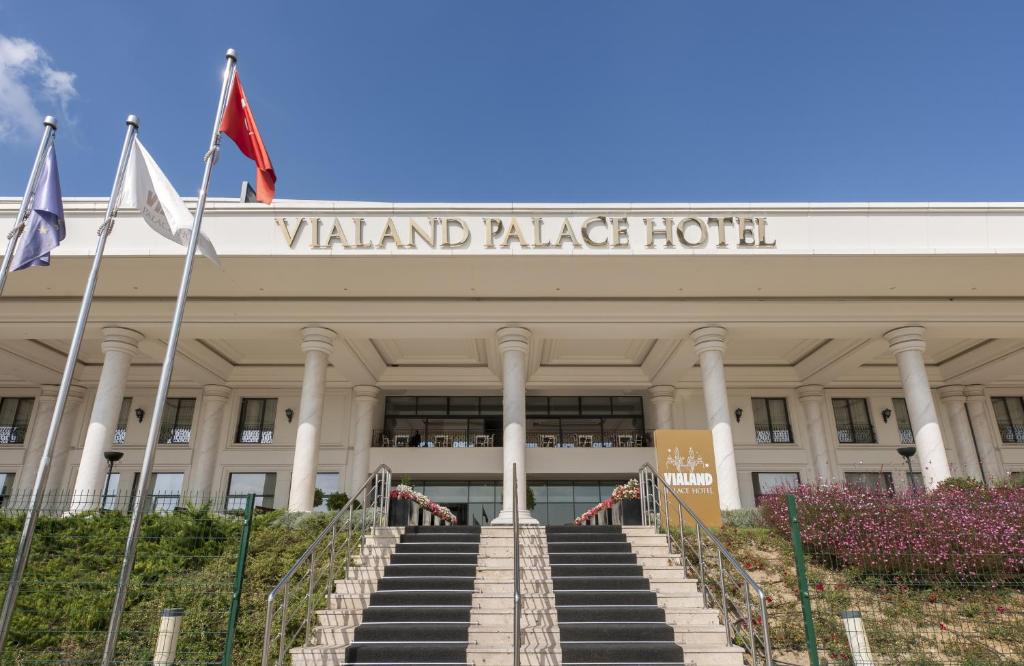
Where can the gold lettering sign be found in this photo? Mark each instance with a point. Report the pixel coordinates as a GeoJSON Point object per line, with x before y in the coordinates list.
{"type": "Point", "coordinates": [686, 462]}
{"type": "Point", "coordinates": [509, 234]}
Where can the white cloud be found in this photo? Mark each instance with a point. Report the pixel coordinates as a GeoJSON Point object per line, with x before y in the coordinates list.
{"type": "Point", "coordinates": [27, 79]}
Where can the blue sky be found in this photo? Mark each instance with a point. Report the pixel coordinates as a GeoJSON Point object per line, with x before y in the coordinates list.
{"type": "Point", "coordinates": [539, 101]}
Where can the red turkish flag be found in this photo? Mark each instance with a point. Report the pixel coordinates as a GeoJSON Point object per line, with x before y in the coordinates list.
{"type": "Point", "coordinates": [239, 124]}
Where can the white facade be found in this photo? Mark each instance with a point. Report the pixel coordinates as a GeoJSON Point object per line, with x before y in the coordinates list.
{"type": "Point", "coordinates": [333, 308]}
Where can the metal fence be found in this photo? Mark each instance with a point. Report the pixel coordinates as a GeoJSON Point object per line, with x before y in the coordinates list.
{"type": "Point", "coordinates": [899, 613]}
{"type": "Point", "coordinates": [188, 559]}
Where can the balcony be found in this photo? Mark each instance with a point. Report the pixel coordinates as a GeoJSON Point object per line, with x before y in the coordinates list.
{"type": "Point", "coordinates": [856, 434]}
{"type": "Point", "coordinates": [463, 439]}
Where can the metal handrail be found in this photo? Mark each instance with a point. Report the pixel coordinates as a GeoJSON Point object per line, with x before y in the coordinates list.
{"type": "Point", "coordinates": [374, 496]}
{"type": "Point", "coordinates": [516, 598]}
{"type": "Point", "coordinates": [656, 498]}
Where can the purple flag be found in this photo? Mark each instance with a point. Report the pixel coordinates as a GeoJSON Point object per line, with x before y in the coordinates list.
{"type": "Point", "coordinates": [44, 229]}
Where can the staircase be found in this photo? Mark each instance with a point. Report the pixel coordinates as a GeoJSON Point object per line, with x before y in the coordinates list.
{"type": "Point", "coordinates": [590, 595]}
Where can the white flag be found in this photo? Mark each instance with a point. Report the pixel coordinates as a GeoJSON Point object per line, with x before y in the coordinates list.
{"type": "Point", "coordinates": [147, 189]}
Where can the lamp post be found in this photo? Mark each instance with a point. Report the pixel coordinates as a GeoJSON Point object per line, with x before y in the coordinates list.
{"type": "Point", "coordinates": [908, 452]}
{"type": "Point", "coordinates": [112, 457]}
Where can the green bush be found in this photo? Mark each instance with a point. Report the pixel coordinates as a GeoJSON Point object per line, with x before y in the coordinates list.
{"type": "Point", "coordinates": [742, 518]}
{"type": "Point", "coordinates": [959, 483]}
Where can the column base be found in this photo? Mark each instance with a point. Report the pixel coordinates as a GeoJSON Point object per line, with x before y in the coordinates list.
{"type": "Point", "coordinates": [505, 518]}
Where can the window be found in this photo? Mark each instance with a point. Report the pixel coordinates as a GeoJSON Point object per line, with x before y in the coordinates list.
{"type": "Point", "coordinates": [327, 484]}
{"type": "Point", "coordinates": [256, 421]}
{"type": "Point", "coordinates": [122, 421]}
{"type": "Point", "coordinates": [853, 422]}
{"type": "Point", "coordinates": [766, 482]}
{"type": "Point", "coordinates": [176, 424]}
{"type": "Point", "coordinates": [876, 481]}
{"type": "Point", "coordinates": [1010, 419]}
{"type": "Point", "coordinates": [251, 483]}
{"type": "Point", "coordinates": [166, 492]}
{"type": "Point", "coordinates": [14, 415]}
{"type": "Point", "coordinates": [110, 491]}
{"type": "Point", "coordinates": [771, 421]}
{"type": "Point", "coordinates": [6, 484]}
{"type": "Point", "coordinates": [899, 406]}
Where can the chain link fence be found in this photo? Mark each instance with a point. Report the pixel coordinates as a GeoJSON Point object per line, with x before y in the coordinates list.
{"type": "Point", "coordinates": [188, 560]}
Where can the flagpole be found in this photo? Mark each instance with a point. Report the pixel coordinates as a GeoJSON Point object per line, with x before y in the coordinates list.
{"type": "Point", "coordinates": [50, 128]}
{"type": "Point", "coordinates": [142, 490]}
{"type": "Point", "coordinates": [25, 544]}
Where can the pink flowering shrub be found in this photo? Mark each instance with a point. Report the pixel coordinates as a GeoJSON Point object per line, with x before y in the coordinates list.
{"type": "Point", "coordinates": [947, 533]}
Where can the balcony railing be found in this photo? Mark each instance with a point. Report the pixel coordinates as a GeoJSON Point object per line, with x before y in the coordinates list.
{"type": "Point", "coordinates": [856, 434]}
{"type": "Point", "coordinates": [462, 439]}
{"type": "Point", "coordinates": [446, 439]}
{"type": "Point", "coordinates": [1011, 434]}
{"type": "Point", "coordinates": [766, 434]}
{"type": "Point", "coordinates": [906, 435]}
{"type": "Point", "coordinates": [626, 439]}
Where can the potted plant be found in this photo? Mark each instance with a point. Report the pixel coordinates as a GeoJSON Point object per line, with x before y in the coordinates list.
{"type": "Point", "coordinates": [628, 497]}
{"type": "Point", "coordinates": [400, 506]}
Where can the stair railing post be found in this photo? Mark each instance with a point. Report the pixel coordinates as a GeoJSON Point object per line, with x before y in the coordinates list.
{"type": "Point", "coordinates": [725, 601]}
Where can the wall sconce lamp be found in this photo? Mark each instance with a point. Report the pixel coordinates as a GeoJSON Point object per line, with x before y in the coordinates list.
{"type": "Point", "coordinates": [289, 413]}
{"type": "Point", "coordinates": [886, 413]}
{"type": "Point", "coordinates": [140, 414]}
{"type": "Point", "coordinates": [738, 413]}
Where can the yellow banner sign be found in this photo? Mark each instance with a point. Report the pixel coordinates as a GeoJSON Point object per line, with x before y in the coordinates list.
{"type": "Point", "coordinates": [686, 462]}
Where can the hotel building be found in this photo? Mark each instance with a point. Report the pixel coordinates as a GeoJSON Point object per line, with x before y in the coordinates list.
{"type": "Point", "coordinates": [449, 341]}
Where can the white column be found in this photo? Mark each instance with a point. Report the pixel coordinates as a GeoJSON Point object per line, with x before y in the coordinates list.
{"type": "Point", "coordinates": [317, 343]}
{"type": "Point", "coordinates": [988, 451]}
{"type": "Point", "coordinates": [907, 344]}
{"type": "Point", "coordinates": [65, 437]}
{"type": "Point", "coordinates": [212, 411]}
{"type": "Point", "coordinates": [513, 345]}
{"type": "Point", "coordinates": [366, 398]}
{"type": "Point", "coordinates": [710, 347]}
{"type": "Point", "coordinates": [955, 404]}
{"type": "Point", "coordinates": [36, 439]}
{"type": "Point", "coordinates": [119, 346]}
{"type": "Point", "coordinates": [662, 399]}
{"type": "Point", "coordinates": [812, 400]}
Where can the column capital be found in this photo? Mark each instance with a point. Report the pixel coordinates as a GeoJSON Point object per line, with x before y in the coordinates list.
{"type": "Point", "coordinates": [48, 391]}
{"type": "Point", "coordinates": [366, 392]}
{"type": "Point", "coordinates": [975, 392]}
{"type": "Point", "coordinates": [119, 339]}
{"type": "Point", "coordinates": [709, 338]}
{"type": "Point", "coordinates": [906, 338]}
{"type": "Point", "coordinates": [662, 392]}
{"type": "Point", "coordinates": [216, 393]}
{"type": "Point", "coordinates": [810, 392]}
{"type": "Point", "coordinates": [317, 338]}
{"type": "Point", "coordinates": [952, 393]}
{"type": "Point", "coordinates": [513, 338]}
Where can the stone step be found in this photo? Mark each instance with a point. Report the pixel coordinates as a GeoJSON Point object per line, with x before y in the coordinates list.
{"type": "Point", "coordinates": [486, 562]}
{"type": "Point", "coordinates": [531, 637]}
{"type": "Point", "coordinates": [544, 586]}
{"type": "Point", "coordinates": [339, 617]}
{"type": "Point", "coordinates": [706, 655]}
{"type": "Point", "coordinates": [354, 587]}
{"type": "Point", "coordinates": [505, 602]}
{"type": "Point", "coordinates": [647, 540]}
{"type": "Point", "coordinates": [508, 575]}
{"type": "Point", "coordinates": [484, 619]}
{"type": "Point", "coordinates": [479, 655]}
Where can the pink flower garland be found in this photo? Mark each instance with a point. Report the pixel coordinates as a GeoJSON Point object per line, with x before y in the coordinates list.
{"type": "Point", "coordinates": [628, 490]}
{"type": "Point", "coordinates": [404, 492]}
